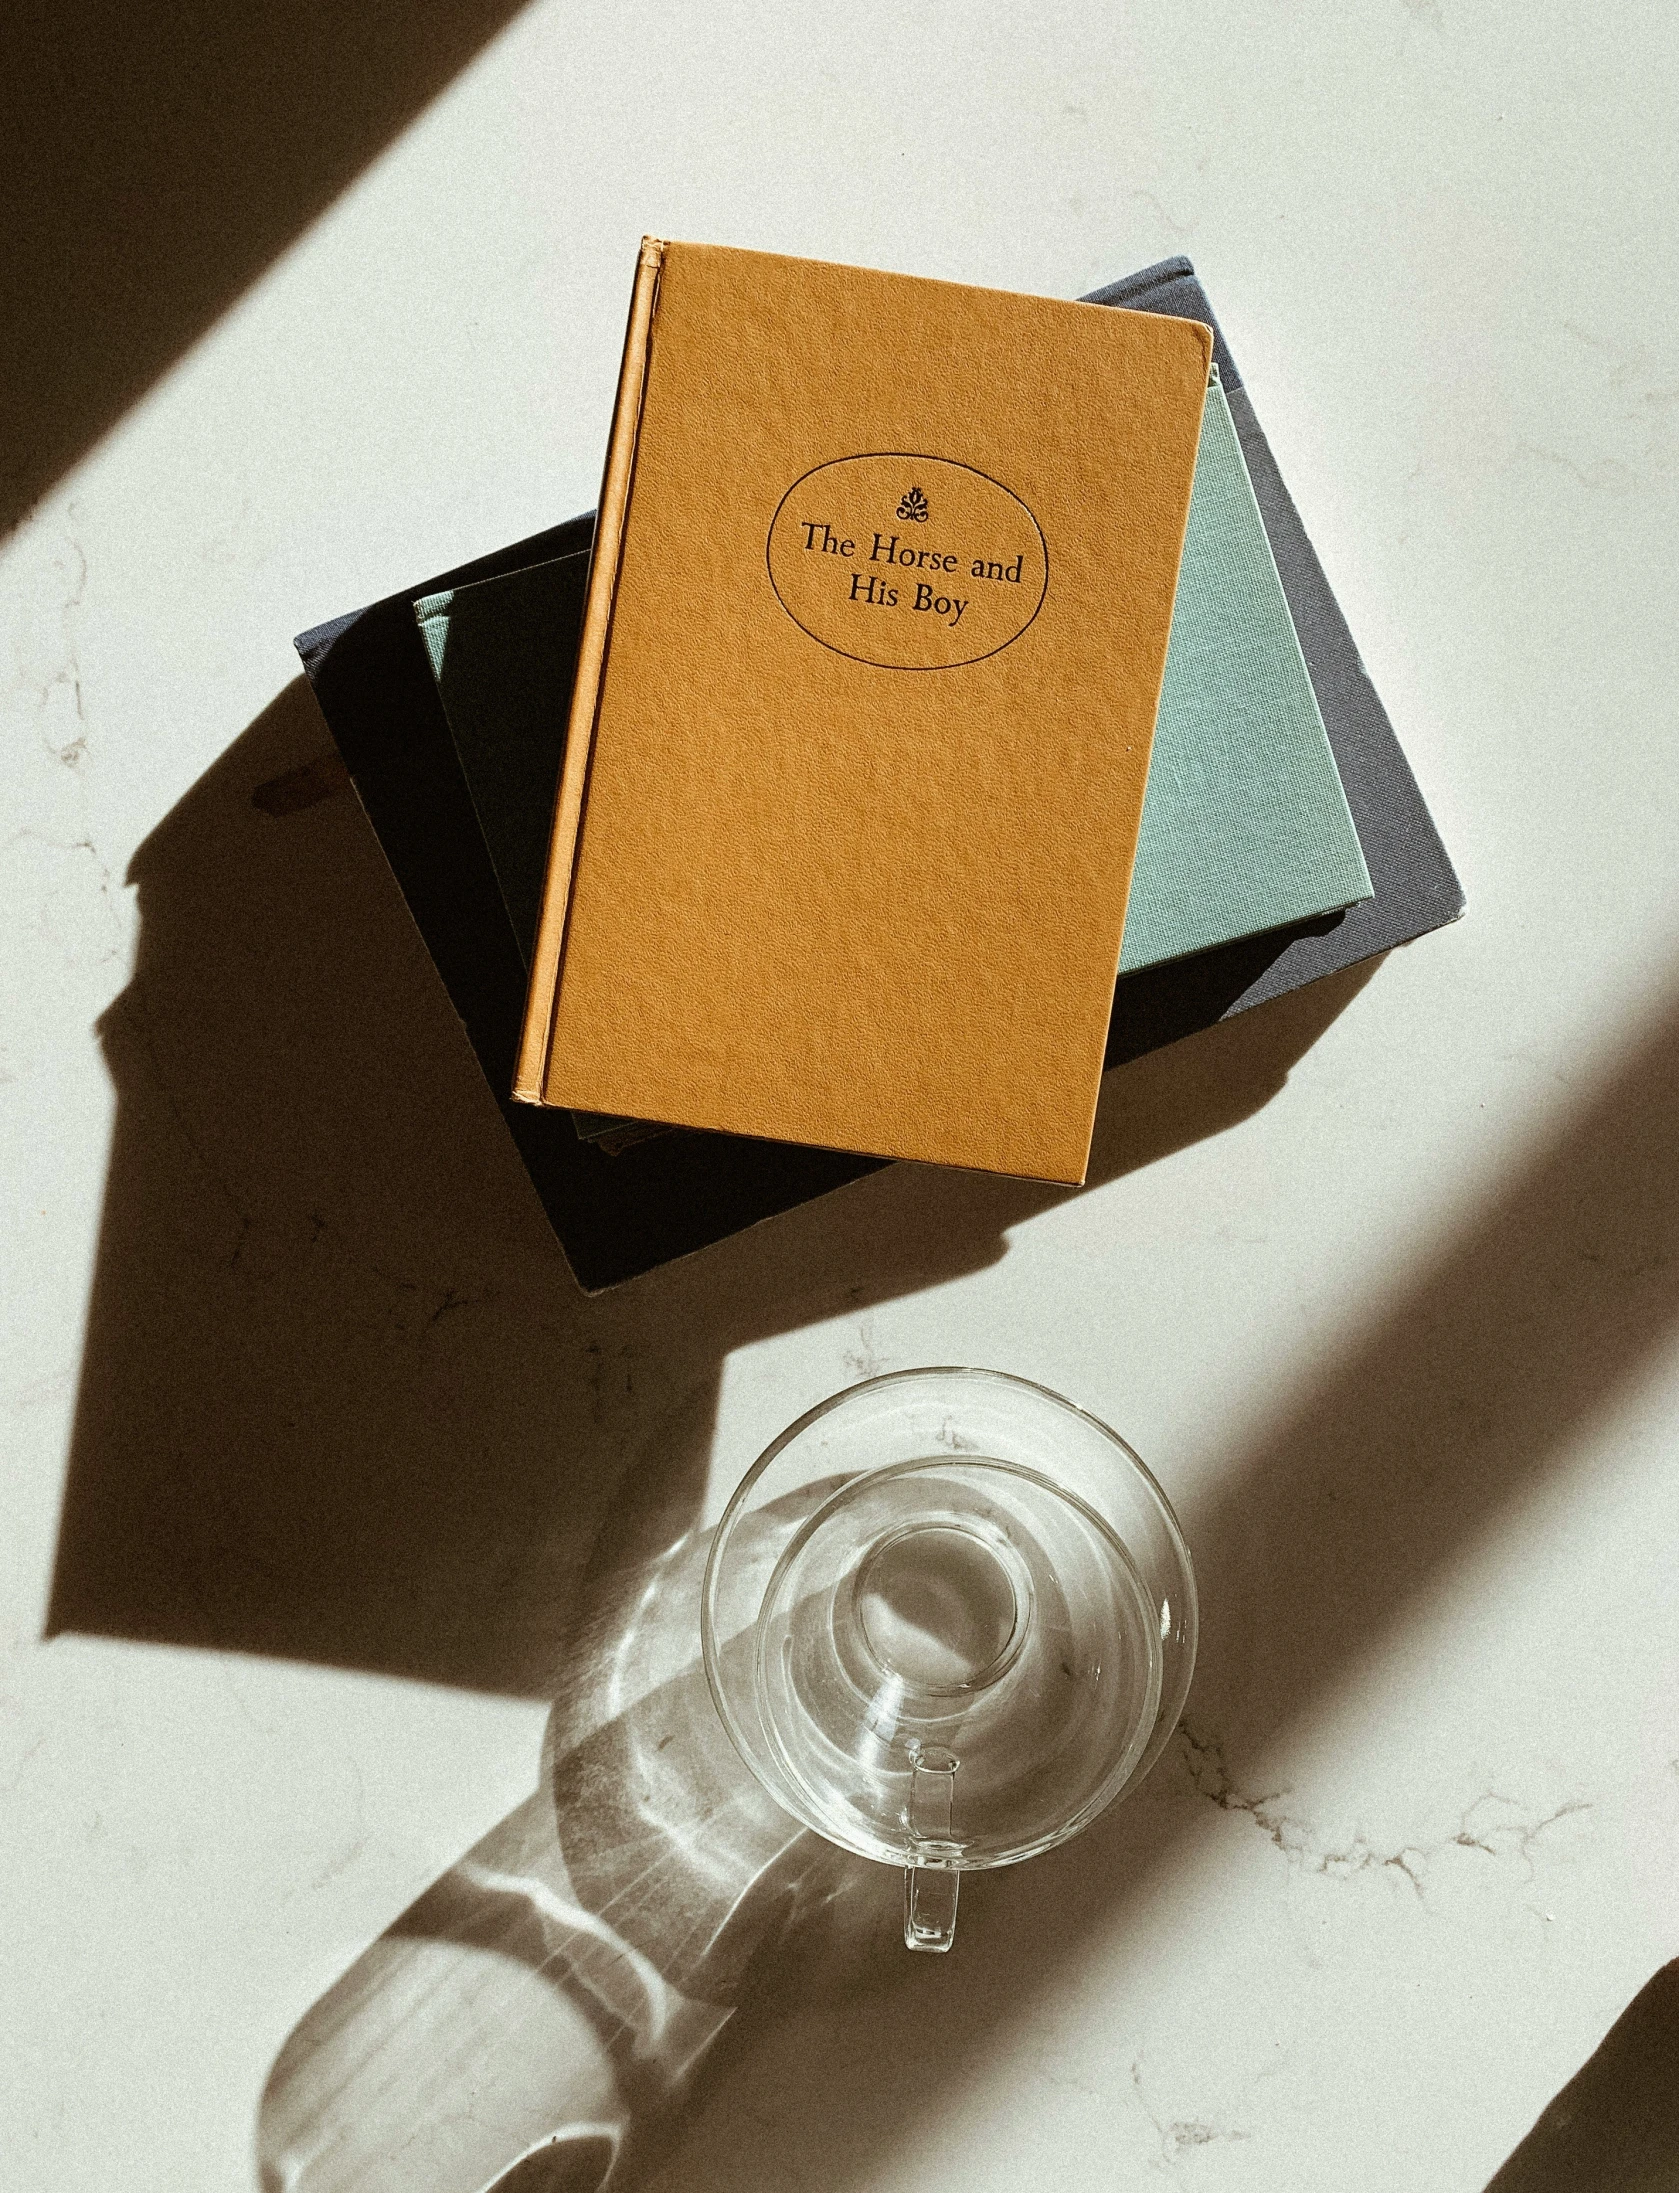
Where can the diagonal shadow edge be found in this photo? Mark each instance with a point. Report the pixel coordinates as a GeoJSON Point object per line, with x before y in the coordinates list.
{"type": "Point", "coordinates": [1450, 1407]}
{"type": "Point", "coordinates": [158, 162]}
{"type": "Point", "coordinates": [1616, 2122]}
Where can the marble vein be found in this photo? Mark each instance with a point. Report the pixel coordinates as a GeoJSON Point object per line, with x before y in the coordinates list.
{"type": "Point", "coordinates": [1493, 1825]}
{"type": "Point", "coordinates": [1179, 2135]}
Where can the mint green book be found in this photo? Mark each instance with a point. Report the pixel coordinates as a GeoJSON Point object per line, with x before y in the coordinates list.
{"type": "Point", "coordinates": [1245, 826]}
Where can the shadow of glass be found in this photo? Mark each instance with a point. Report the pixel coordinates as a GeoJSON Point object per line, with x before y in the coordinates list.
{"type": "Point", "coordinates": [571, 1972]}
{"type": "Point", "coordinates": [1615, 2125]}
{"type": "Point", "coordinates": [340, 1399]}
{"type": "Point", "coordinates": [157, 161]}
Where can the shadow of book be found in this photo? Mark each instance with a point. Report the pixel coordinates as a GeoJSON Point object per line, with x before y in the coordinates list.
{"type": "Point", "coordinates": [340, 1399]}
{"type": "Point", "coordinates": [1615, 2125]}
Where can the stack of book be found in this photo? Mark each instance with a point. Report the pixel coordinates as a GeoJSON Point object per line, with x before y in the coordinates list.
{"type": "Point", "coordinates": [946, 706]}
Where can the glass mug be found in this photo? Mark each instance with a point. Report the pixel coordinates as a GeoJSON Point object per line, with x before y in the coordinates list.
{"type": "Point", "coordinates": [948, 1618]}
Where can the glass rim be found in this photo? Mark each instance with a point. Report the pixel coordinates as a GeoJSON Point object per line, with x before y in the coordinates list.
{"type": "Point", "coordinates": [709, 1643]}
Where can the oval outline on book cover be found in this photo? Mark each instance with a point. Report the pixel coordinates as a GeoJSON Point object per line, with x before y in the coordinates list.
{"type": "Point", "coordinates": [907, 561]}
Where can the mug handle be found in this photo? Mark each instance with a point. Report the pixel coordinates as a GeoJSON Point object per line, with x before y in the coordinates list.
{"type": "Point", "coordinates": [933, 1881]}
{"type": "Point", "coordinates": [930, 1893]}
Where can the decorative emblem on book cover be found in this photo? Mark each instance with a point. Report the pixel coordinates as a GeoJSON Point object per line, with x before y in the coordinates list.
{"type": "Point", "coordinates": [909, 592]}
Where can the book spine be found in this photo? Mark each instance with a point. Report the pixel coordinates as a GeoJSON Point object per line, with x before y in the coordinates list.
{"type": "Point", "coordinates": [571, 798]}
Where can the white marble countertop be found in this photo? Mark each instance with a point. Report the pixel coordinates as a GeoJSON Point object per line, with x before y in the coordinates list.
{"type": "Point", "coordinates": [321, 1479]}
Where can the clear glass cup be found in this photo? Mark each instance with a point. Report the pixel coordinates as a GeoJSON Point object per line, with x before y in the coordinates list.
{"type": "Point", "coordinates": [948, 1618]}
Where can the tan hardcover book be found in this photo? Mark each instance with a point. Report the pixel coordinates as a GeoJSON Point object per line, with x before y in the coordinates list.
{"type": "Point", "coordinates": [874, 639]}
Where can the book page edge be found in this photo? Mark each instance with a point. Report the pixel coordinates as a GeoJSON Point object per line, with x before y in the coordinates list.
{"type": "Point", "coordinates": [536, 1037]}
